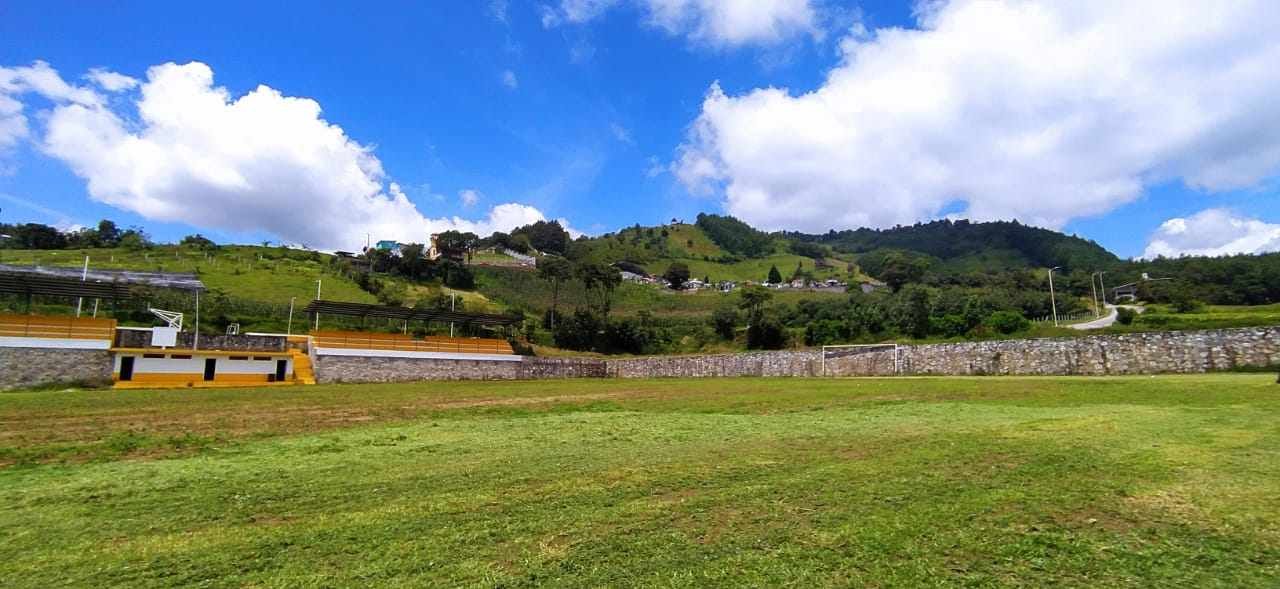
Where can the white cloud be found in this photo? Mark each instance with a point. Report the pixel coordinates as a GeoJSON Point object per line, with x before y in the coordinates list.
{"type": "Point", "coordinates": [621, 133]}
{"type": "Point", "coordinates": [509, 80]}
{"type": "Point", "coordinates": [469, 197]}
{"type": "Point", "coordinates": [262, 162]}
{"type": "Point", "coordinates": [1043, 111]}
{"type": "Point", "coordinates": [714, 22]}
{"type": "Point", "coordinates": [111, 81]}
{"type": "Point", "coordinates": [498, 10]}
{"type": "Point", "coordinates": [37, 78]}
{"type": "Point", "coordinates": [1213, 232]}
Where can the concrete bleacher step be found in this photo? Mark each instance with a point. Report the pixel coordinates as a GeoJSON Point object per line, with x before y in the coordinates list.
{"type": "Point", "coordinates": [303, 372]}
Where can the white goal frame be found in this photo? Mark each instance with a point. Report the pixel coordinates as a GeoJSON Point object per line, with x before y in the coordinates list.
{"type": "Point", "coordinates": [897, 367]}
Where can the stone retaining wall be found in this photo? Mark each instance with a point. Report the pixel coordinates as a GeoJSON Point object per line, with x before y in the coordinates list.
{"type": "Point", "coordinates": [781, 363]}
{"type": "Point", "coordinates": [331, 369]}
{"type": "Point", "coordinates": [1181, 352]}
{"type": "Point", "coordinates": [30, 367]}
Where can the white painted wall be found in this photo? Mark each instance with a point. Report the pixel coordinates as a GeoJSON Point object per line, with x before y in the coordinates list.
{"type": "Point", "coordinates": [55, 342]}
{"type": "Point", "coordinates": [429, 355]}
{"type": "Point", "coordinates": [195, 365]}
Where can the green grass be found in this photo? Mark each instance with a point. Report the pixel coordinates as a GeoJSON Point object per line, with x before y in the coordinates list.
{"type": "Point", "coordinates": [1210, 317]}
{"type": "Point", "coordinates": [755, 269]}
{"type": "Point", "coordinates": [1114, 482]}
{"type": "Point", "coordinates": [267, 275]}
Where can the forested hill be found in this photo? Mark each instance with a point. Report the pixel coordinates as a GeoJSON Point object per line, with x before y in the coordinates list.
{"type": "Point", "coordinates": [1012, 243]}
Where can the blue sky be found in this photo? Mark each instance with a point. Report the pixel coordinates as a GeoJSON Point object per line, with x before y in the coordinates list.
{"type": "Point", "coordinates": [590, 111]}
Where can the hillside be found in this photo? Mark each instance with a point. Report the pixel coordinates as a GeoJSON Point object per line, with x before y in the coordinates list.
{"type": "Point", "coordinates": [998, 245]}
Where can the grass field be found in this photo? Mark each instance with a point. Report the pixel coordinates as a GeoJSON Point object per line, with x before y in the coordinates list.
{"type": "Point", "coordinates": [1115, 482]}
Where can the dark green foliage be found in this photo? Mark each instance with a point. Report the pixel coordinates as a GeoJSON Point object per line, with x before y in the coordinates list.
{"type": "Point", "coordinates": [547, 237]}
{"type": "Point", "coordinates": [825, 331]}
{"type": "Point", "coordinates": [1125, 315]}
{"type": "Point", "coordinates": [896, 268]}
{"type": "Point", "coordinates": [734, 236]}
{"type": "Point", "coordinates": [913, 312]}
{"type": "Point", "coordinates": [1007, 322]}
{"type": "Point", "coordinates": [766, 333]}
{"type": "Point", "coordinates": [948, 240]}
{"type": "Point", "coordinates": [196, 241]}
{"type": "Point", "coordinates": [724, 321]}
{"type": "Point", "coordinates": [600, 281]}
{"type": "Point", "coordinates": [677, 274]}
{"type": "Point", "coordinates": [32, 236]}
{"type": "Point", "coordinates": [775, 277]}
{"type": "Point", "coordinates": [809, 250]}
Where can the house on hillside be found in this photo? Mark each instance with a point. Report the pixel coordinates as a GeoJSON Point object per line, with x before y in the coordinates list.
{"type": "Point", "coordinates": [388, 245]}
{"type": "Point", "coordinates": [871, 285]}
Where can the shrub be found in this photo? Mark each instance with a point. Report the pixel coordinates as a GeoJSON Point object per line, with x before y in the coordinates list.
{"type": "Point", "coordinates": [1007, 322]}
{"type": "Point", "coordinates": [724, 321]}
{"type": "Point", "coordinates": [1126, 315]}
{"type": "Point", "coordinates": [766, 333]}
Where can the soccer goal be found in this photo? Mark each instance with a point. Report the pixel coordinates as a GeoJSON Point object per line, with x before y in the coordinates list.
{"type": "Point", "coordinates": [861, 360]}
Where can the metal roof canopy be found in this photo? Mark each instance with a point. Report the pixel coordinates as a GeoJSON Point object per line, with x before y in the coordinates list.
{"type": "Point", "coordinates": [36, 284]}
{"type": "Point", "coordinates": [172, 280]}
{"type": "Point", "coordinates": [407, 314]}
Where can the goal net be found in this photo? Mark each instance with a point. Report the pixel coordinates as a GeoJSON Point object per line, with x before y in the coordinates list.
{"type": "Point", "coordinates": [860, 360]}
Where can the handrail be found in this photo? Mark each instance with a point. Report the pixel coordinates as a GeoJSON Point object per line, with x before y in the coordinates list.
{"type": "Point", "coordinates": [56, 327]}
{"type": "Point", "coordinates": [403, 343]}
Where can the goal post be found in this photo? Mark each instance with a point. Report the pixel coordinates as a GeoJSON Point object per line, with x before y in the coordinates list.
{"type": "Point", "coordinates": [863, 351]}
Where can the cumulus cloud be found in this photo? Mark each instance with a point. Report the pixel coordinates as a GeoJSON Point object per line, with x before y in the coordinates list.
{"type": "Point", "coordinates": [37, 78]}
{"type": "Point", "coordinates": [714, 22]}
{"type": "Point", "coordinates": [1213, 232]}
{"type": "Point", "coordinates": [1043, 111]}
{"type": "Point", "coordinates": [111, 81]}
{"type": "Point", "coordinates": [259, 162]}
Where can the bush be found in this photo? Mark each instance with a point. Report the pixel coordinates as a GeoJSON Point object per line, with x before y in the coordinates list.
{"type": "Point", "coordinates": [767, 333]}
{"type": "Point", "coordinates": [724, 320]}
{"type": "Point", "coordinates": [823, 332]}
{"type": "Point", "coordinates": [948, 325]}
{"type": "Point", "coordinates": [1126, 315]}
{"type": "Point", "coordinates": [1007, 322]}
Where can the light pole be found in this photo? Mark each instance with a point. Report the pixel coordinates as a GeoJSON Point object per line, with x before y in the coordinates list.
{"type": "Point", "coordinates": [1053, 302]}
{"type": "Point", "coordinates": [1094, 287]}
{"type": "Point", "coordinates": [317, 328]}
{"type": "Point", "coordinates": [289, 330]}
{"type": "Point", "coordinates": [1102, 287]}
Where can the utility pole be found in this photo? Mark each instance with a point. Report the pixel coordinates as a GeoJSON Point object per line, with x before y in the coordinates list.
{"type": "Point", "coordinates": [84, 275]}
{"type": "Point", "coordinates": [317, 328]}
{"type": "Point", "coordinates": [1053, 301]}
{"type": "Point", "coordinates": [1102, 287]}
{"type": "Point", "coordinates": [1094, 287]}
{"type": "Point", "coordinates": [453, 300]}
{"type": "Point", "coordinates": [289, 330]}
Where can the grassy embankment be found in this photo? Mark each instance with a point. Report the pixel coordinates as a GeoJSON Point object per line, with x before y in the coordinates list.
{"type": "Point", "coordinates": [1118, 482]}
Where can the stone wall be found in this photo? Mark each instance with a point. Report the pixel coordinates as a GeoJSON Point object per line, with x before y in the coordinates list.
{"type": "Point", "coordinates": [1185, 352]}
{"type": "Point", "coordinates": [380, 369]}
{"type": "Point", "coordinates": [780, 363]}
{"type": "Point", "coordinates": [129, 338]}
{"type": "Point", "coordinates": [29, 367]}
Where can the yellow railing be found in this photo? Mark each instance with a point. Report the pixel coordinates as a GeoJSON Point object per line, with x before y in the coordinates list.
{"type": "Point", "coordinates": [392, 342]}
{"type": "Point", "coordinates": [57, 327]}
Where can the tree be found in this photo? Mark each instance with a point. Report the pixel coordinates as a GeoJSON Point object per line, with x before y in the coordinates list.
{"type": "Point", "coordinates": [454, 244]}
{"type": "Point", "coordinates": [724, 320]}
{"type": "Point", "coordinates": [766, 333]}
{"type": "Point", "coordinates": [753, 299]}
{"type": "Point", "coordinates": [677, 274]}
{"type": "Point", "coordinates": [545, 236]}
{"type": "Point", "coordinates": [775, 277]}
{"type": "Point", "coordinates": [135, 238]}
{"type": "Point", "coordinates": [600, 280]}
{"type": "Point", "coordinates": [915, 312]}
{"type": "Point", "coordinates": [1007, 322]}
{"type": "Point", "coordinates": [108, 233]}
{"type": "Point", "coordinates": [900, 269]}
{"type": "Point", "coordinates": [196, 241]}
{"type": "Point", "coordinates": [1125, 315]}
{"type": "Point", "coordinates": [554, 269]}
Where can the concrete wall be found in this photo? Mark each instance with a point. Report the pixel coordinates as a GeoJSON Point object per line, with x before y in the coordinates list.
{"type": "Point", "coordinates": [28, 367]}
{"type": "Point", "coordinates": [1136, 353]}
{"type": "Point", "coordinates": [331, 369]}
{"type": "Point", "coordinates": [131, 338]}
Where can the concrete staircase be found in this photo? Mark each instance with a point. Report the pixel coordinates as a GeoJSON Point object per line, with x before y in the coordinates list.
{"type": "Point", "coordinates": [303, 372]}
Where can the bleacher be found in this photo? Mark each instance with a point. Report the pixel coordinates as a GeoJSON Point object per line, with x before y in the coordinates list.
{"type": "Point", "coordinates": [395, 342]}
{"type": "Point", "coordinates": [39, 326]}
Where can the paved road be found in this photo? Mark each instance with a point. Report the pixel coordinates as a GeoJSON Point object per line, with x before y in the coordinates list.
{"type": "Point", "coordinates": [1106, 321]}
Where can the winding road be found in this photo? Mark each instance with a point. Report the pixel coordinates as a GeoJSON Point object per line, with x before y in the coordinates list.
{"type": "Point", "coordinates": [1108, 320]}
